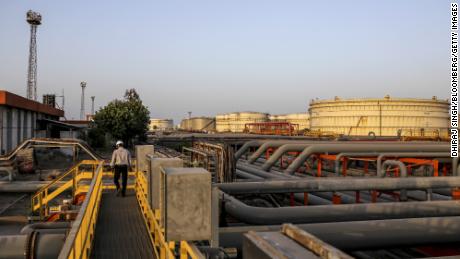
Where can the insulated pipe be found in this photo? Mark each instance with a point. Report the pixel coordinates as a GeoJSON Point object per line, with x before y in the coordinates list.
{"type": "Point", "coordinates": [275, 144]}
{"type": "Point", "coordinates": [322, 148]}
{"type": "Point", "coordinates": [366, 235]}
{"type": "Point", "coordinates": [264, 174]}
{"type": "Point", "coordinates": [402, 168]}
{"type": "Point", "coordinates": [387, 163]}
{"type": "Point", "coordinates": [347, 154]}
{"type": "Point", "coordinates": [331, 184]}
{"type": "Point", "coordinates": [312, 199]}
{"type": "Point", "coordinates": [338, 213]}
{"type": "Point", "coordinates": [243, 149]}
{"type": "Point", "coordinates": [26, 186]}
{"type": "Point", "coordinates": [45, 225]}
{"type": "Point", "coordinates": [33, 245]}
{"type": "Point", "coordinates": [409, 154]}
{"type": "Point", "coordinates": [381, 155]}
{"type": "Point", "coordinates": [280, 152]}
{"type": "Point", "coordinates": [246, 175]}
{"type": "Point", "coordinates": [293, 147]}
{"type": "Point", "coordinates": [345, 198]}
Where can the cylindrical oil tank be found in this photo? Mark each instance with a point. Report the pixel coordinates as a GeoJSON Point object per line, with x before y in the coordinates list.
{"type": "Point", "coordinates": [381, 117]}
{"type": "Point", "coordinates": [236, 121]}
{"type": "Point", "coordinates": [198, 124]}
{"type": "Point", "coordinates": [301, 119]}
{"type": "Point", "coordinates": [222, 123]}
{"type": "Point", "coordinates": [161, 124]}
{"type": "Point", "coordinates": [184, 124]}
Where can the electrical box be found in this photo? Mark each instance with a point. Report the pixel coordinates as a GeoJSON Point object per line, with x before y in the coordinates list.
{"type": "Point", "coordinates": [154, 176]}
{"type": "Point", "coordinates": [186, 204]}
{"type": "Point", "coordinates": [142, 163]}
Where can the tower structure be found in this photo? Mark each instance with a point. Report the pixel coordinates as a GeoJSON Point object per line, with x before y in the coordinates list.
{"type": "Point", "coordinates": [34, 19]}
{"type": "Point", "coordinates": [92, 104]}
{"type": "Point", "coordinates": [82, 108]}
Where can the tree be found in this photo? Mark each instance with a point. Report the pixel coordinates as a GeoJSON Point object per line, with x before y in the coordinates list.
{"type": "Point", "coordinates": [124, 119]}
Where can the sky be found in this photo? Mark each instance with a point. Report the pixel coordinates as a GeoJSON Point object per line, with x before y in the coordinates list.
{"type": "Point", "coordinates": [218, 56]}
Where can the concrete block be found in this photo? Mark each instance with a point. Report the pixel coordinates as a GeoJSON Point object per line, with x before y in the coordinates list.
{"type": "Point", "coordinates": [142, 163]}
{"type": "Point", "coordinates": [186, 204]}
{"type": "Point", "coordinates": [154, 177]}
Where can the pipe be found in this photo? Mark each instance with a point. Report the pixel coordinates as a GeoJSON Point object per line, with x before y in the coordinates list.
{"type": "Point", "coordinates": [313, 199]}
{"type": "Point", "coordinates": [33, 245]}
{"type": "Point", "coordinates": [246, 146]}
{"type": "Point", "coordinates": [45, 225]}
{"type": "Point", "coordinates": [338, 213]}
{"type": "Point", "coordinates": [260, 173]}
{"type": "Point", "coordinates": [321, 148]}
{"type": "Point", "coordinates": [417, 154]}
{"type": "Point", "coordinates": [381, 155]}
{"type": "Point", "coordinates": [338, 184]}
{"type": "Point", "coordinates": [366, 235]}
{"type": "Point", "coordinates": [280, 152]}
{"type": "Point", "coordinates": [246, 175]}
{"type": "Point", "coordinates": [275, 144]}
{"type": "Point", "coordinates": [402, 168]}
{"type": "Point", "coordinates": [26, 186]}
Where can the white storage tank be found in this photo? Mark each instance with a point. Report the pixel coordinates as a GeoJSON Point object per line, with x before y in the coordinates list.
{"type": "Point", "coordinates": [161, 124]}
{"type": "Point", "coordinates": [301, 119]}
{"type": "Point", "coordinates": [235, 121]}
{"type": "Point", "coordinates": [382, 117]}
{"type": "Point", "coordinates": [198, 124]}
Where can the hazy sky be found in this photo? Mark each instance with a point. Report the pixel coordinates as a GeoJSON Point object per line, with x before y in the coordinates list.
{"type": "Point", "coordinates": [217, 56]}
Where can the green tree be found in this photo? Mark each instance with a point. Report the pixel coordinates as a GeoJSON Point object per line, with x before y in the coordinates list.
{"type": "Point", "coordinates": [124, 119]}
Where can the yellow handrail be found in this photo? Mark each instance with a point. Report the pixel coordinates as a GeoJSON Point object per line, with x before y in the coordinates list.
{"type": "Point", "coordinates": [40, 200]}
{"type": "Point", "coordinates": [79, 241]}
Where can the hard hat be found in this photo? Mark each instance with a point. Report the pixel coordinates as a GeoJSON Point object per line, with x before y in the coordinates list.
{"type": "Point", "coordinates": [119, 142]}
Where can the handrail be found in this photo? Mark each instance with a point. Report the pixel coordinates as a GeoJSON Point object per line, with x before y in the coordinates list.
{"type": "Point", "coordinates": [63, 142]}
{"type": "Point", "coordinates": [42, 197]}
{"type": "Point", "coordinates": [78, 242]}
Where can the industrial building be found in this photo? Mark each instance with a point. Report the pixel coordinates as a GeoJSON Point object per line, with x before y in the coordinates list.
{"type": "Point", "coordinates": [161, 124]}
{"type": "Point", "coordinates": [381, 117]}
{"type": "Point", "coordinates": [23, 118]}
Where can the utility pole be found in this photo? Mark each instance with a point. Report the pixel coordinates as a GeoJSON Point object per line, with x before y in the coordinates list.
{"type": "Point", "coordinates": [82, 108]}
{"type": "Point", "coordinates": [92, 104]}
{"type": "Point", "coordinates": [34, 19]}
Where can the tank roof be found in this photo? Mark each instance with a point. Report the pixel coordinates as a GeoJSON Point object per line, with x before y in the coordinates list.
{"type": "Point", "coordinates": [387, 98]}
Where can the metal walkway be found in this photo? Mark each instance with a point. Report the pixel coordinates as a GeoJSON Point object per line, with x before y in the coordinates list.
{"type": "Point", "coordinates": [120, 230]}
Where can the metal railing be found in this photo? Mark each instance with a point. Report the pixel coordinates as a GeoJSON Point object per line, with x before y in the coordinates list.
{"type": "Point", "coordinates": [69, 179]}
{"type": "Point", "coordinates": [79, 241]}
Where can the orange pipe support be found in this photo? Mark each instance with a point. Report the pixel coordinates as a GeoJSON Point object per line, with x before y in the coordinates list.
{"type": "Point", "coordinates": [336, 199]}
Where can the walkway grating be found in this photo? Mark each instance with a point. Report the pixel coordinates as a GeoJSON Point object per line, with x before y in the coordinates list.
{"type": "Point", "coordinates": [120, 230]}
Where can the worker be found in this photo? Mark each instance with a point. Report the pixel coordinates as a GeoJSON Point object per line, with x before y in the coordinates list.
{"type": "Point", "coordinates": [121, 161]}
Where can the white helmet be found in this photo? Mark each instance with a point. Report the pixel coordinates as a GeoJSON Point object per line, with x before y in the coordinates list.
{"type": "Point", "coordinates": [119, 142]}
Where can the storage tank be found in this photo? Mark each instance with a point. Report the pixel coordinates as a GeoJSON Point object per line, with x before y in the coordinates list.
{"type": "Point", "coordinates": [301, 119]}
{"type": "Point", "coordinates": [235, 121]}
{"type": "Point", "coordinates": [222, 123]}
{"type": "Point", "coordinates": [198, 124]}
{"type": "Point", "coordinates": [161, 124]}
{"type": "Point", "coordinates": [381, 117]}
